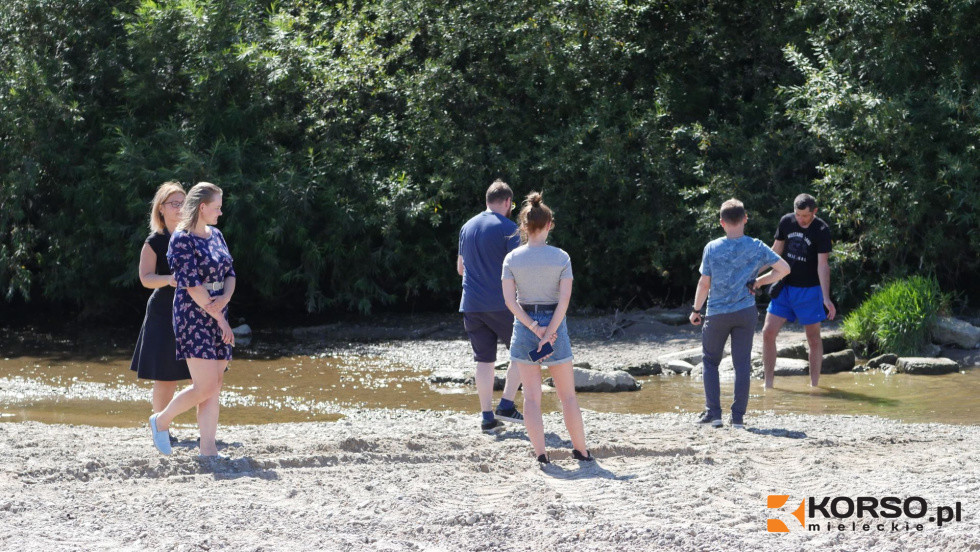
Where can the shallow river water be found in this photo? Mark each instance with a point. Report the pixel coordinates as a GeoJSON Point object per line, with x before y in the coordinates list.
{"type": "Point", "coordinates": [102, 391]}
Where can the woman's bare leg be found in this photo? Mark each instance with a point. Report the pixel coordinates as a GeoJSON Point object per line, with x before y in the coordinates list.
{"type": "Point", "coordinates": [163, 393]}
{"type": "Point", "coordinates": [206, 376]}
{"type": "Point", "coordinates": [207, 416]}
{"type": "Point", "coordinates": [565, 387]}
{"type": "Point", "coordinates": [531, 378]}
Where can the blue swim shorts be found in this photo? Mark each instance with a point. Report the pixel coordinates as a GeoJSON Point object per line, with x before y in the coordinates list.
{"type": "Point", "coordinates": [799, 304]}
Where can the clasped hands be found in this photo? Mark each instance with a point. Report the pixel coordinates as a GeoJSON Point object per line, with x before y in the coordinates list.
{"type": "Point", "coordinates": [541, 332]}
{"type": "Point", "coordinates": [215, 307]}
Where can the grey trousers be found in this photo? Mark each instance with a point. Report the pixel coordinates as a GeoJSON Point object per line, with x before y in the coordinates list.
{"type": "Point", "coordinates": [740, 326]}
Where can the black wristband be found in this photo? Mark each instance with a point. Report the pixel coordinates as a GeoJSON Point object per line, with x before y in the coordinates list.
{"type": "Point", "coordinates": [695, 311]}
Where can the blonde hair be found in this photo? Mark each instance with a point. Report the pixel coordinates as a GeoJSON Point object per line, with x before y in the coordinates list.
{"type": "Point", "coordinates": [202, 192]}
{"type": "Point", "coordinates": [167, 189]}
{"type": "Point", "coordinates": [534, 216]}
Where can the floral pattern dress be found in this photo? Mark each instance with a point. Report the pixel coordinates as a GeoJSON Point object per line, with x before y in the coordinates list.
{"type": "Point", "coordinates": [194, 261]}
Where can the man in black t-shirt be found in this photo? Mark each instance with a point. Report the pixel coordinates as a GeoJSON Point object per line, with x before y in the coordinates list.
{"type": "Point", "coordinates": [803, 240]}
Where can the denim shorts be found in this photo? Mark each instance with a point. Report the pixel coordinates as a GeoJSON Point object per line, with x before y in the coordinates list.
{"type": "Point", "coordinates": [524, 341]}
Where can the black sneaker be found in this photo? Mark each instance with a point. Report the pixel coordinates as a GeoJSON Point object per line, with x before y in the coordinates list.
{"type": "Point", "coordinates": [487, 426]}
{"type": "Point", "coordinates": [543, 459]}
{"type": "Point", "coordinates": [511, 415]}
{"type": "Point", "coordinates": [173, 440]}
{"type": "Point", "coordinates": [737, 423]}
{"type": "Point", "coordinates": [708, 419]}
{"type": "Point", "coordinates": [578, 456]}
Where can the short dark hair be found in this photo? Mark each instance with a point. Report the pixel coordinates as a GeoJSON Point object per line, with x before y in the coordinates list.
{"type": "Point", "coordinates": [499, 191]}
{"type": "Point", "coordinates": [805, 201]}
{"type": "Point", "coordinates": [732, 211]}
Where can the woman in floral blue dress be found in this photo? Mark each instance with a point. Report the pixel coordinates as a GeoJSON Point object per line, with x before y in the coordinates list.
{"type": "Point", "coordinates": [202, 265]}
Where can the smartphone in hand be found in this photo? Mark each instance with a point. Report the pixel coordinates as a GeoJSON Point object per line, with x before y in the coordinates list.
{"type": "Point", "coordinates": [536, 355]}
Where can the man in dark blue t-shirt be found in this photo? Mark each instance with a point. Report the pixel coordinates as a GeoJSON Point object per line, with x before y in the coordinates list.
{"type": "Point", "coordinates": [484, 241]}
{"type": "Point", "coordinates": [803, 240]}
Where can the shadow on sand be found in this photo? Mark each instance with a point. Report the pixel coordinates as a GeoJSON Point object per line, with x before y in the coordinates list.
{"type": "Point", "coordinates": [777, 432]}
{"type": "Point", "coordinates": [586, 470]}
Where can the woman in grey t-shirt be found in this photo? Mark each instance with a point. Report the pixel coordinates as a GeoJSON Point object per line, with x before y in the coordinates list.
{"type": "Point", "coordinates": [537, 283]}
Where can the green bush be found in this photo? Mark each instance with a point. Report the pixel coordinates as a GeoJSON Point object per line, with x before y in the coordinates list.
{"type": "Point", "coordinates": [897, 318]}
{"type": "Point", "coordinates": [353, 139]}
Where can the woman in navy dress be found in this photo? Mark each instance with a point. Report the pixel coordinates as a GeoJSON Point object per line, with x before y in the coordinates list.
{"type": "Point", "coordinates": [202, 265]}
{"type": "Point", "coordinates": [154, 357]}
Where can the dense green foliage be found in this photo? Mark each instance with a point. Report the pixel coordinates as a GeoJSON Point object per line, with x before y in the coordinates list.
{"type": "Point", "coordinates": [353, 139]}
{"type": "Point", "coordinates": [897, 318]}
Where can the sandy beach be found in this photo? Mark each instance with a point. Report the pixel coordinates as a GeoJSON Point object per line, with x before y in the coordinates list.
{"type": "Point", "coordinates": [381, 478]}
{"type": "Point", "coordinates": [408, 480]}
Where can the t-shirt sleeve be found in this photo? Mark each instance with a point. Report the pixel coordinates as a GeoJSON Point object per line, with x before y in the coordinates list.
{"type": "Point", "coordinates": [705, 265]}
{"type": "Point", "coordinates": [507, 273]}
{"type": "Point", "coordinates": [183, 261]}
{"type": "Point", "coordinates": [767, 257]}
{"type": "Point", "coordinates": [824, 243]}
{"type": "Point", "coordinates": [781, 230]}
{"type": "Point", "coordinates": [566, 270]}
{"type": "Point", "coordinates": [158, 243]}
{"type": "Point", "coordinates": [231, 261]}
{"type": "Point", "coordinates": [513, 240]}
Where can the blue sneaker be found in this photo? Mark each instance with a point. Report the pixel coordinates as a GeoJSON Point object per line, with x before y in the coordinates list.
{"type": "Point", "coordinates": [161, 439]}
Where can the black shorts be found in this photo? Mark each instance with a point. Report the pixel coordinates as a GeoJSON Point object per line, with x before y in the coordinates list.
{"type": "Point", "coordinates": [485, 329]}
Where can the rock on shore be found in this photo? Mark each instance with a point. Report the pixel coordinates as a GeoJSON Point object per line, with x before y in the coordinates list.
{"type": "Point", "coordinates": [953, 331]}
{"type": "Point", "coordinates": [596, 381]}
{"type": "Point", "coordinates": [842, 361]}
{"type": "Point", "coordinates": [927, 365]}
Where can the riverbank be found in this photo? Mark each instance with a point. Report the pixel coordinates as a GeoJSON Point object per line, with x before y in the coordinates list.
{"type": "Point", "coordinates": [408, 480]}
{"type": "Point", "coordinates": [392, 461]}
{"type": "Point", "coordinates": [81, 375]}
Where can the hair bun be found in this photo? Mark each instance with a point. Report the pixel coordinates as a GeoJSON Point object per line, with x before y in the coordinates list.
{"type": "Point", "coordinates": [534, 198]}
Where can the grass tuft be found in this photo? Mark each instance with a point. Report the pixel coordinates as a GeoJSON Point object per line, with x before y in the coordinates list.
{"type": "Point", "coordinates": [897, 318]}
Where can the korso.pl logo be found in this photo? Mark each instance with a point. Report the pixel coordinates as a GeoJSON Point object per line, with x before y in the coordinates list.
{"type": "Point", "coordinates": [777, 525]}
{"type": "Point", "coordinates": [864, 513]}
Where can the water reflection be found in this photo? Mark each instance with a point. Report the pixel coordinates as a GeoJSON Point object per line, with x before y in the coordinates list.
{"type": "Point", "coordinates": [102, 391]}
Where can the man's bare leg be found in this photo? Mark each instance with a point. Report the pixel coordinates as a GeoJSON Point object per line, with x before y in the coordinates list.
{"type": "Point", "coordinates": [769, 332]}
{"type": "Point", "coordinates": [816, 352]}
{"type": "Point", "coordinates": [512, 382]}
{"type": "Point", "coordinates": [484, 385]}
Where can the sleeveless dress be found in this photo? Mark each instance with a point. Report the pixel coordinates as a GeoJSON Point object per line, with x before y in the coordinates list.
{"type": "Point", "coordinates": [194, 261]}
{"type": "Point", "coordinates": [154, 355]}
